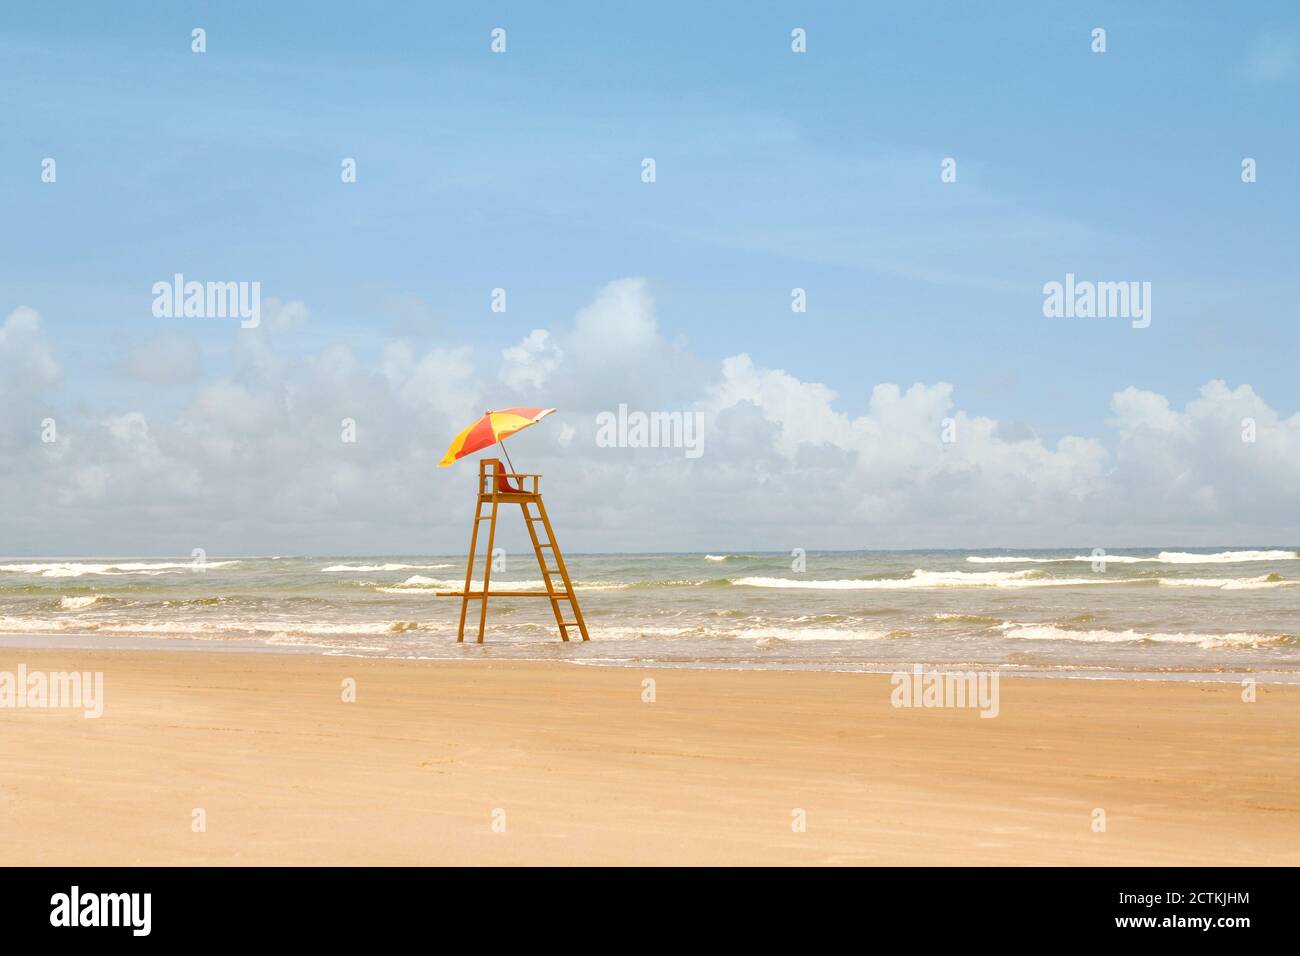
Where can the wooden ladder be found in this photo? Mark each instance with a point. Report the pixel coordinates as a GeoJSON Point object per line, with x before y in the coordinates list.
{"type": "Point", "coordinates": [494, 491]}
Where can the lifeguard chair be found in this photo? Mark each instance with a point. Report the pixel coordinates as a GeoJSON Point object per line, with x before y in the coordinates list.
{"type": "Point", "coordinates": [497, 487]}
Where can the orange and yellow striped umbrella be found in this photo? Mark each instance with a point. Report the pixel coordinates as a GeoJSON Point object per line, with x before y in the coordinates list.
{"type": "Point", "coordinates": [490, 429]}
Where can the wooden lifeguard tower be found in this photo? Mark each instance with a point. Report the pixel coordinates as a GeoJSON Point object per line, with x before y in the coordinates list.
{"type": "Point", "coordinates": [494, 490]}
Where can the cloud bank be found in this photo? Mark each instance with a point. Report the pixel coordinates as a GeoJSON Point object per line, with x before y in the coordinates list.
{"type": "Point", "coordinates": [256, 462]}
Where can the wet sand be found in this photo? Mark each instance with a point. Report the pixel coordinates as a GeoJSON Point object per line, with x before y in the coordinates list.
{"type": "Point", "coordinates": [509, 763]}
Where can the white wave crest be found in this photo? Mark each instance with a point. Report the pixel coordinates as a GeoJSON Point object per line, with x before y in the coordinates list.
{"type": "Point", "coordinates": [1229, 584]}
{"type": "Point", "coordinates": [808, 634]}
{"type": "Point", "coordinates": [385, 567]}
{"type": "Point", "coordinates": [72, 569]}
{"type": "Point", "coordinates": [219, 627]}
{"type": "Point", "coordinates": [1051, 632]}
{"type": "Point", "coordinates": [1164, 557]}
{"type": "Point", "coordinates": [80, 601]}
{"type": "Point", "coordinates": [926, 579]}
{"type": "Point", "coordinates": [1225, 557]}
{"type": "Point", "coordinates": [419, 584]}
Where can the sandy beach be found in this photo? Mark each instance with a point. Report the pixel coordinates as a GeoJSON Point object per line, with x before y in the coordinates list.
{"type": "Point", "coordinates": [512, 763]}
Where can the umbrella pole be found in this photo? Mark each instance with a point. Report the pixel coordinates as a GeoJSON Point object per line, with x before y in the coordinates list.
{"type": "Point", "coordinates": [507, 454]}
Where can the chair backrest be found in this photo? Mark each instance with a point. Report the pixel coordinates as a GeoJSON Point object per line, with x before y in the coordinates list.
{"type": "Point", "coordinates": [492, 475]}
{"type": "Point", "coordinates": [488, 469]}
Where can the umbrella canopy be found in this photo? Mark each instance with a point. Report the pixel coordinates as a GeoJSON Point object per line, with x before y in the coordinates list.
{"type": "Point", "coordinates": [490, 429]}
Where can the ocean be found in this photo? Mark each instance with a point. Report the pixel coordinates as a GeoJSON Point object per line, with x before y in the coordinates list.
{"type": "Point", "coordinates": [1148, 612]}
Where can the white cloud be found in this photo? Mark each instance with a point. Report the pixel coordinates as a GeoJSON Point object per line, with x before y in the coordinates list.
{"type": "Point", "coordinates": [613, 353]}
{"type": "Point", "coordinates": [165, 359]}
{"type": "Point", "coordinates": [530, 363]}
{"type": "Point", "coordinates": [255, 462]}
{"type": "Point", "coordinates": [285, 316]}
{"type": "Point", "coordinates": [620, 322]}
{"type": "Point", "coordinates": [28, 373]}
{"type": "Point", "coordinates": [802, 410]}
{"type": "Point", "coordinates": [441, 381]}
{"type": "Point", "coordinates": [25, 360]}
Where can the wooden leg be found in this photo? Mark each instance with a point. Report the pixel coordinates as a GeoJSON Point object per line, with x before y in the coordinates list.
{"type": "Point", "coordinates": [469, 571]}
{"type": "Point", "coordinates": [487, 569]}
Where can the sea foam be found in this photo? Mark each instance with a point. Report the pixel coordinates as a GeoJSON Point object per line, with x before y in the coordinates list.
{"type": "Point", "coordinates": [1051, 632]}
{"type": "Point", "coordinates": [72, 569]}
{"type": "Point", "coordinates": [924, 579]}
{"type": "Point", "coordinates": [385, 567]}
{"type": "Point", "coordinates": [1164, 557]}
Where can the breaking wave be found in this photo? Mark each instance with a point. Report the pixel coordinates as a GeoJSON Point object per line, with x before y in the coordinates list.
{"type": "Point", "coordinates": [385, 567]}
{"type": "Point", "coordinates": [73, 569]}
{"type": "Point", "coordinates": [1164, 557]}
{"type": "Point", "coordinates": [811, 634]}
{"type": "Point", "coordinates": [84, 601]}
{"type": "Point", "coordinates": [924, 579]}
{"type": "Point", "coordinates": [1051, 632]}
{"type": "Point", "coordinates": [419, 584]}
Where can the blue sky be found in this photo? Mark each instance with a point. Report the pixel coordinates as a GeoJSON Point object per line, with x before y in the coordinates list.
{"type": "Point", "coordinates": [775, 170]}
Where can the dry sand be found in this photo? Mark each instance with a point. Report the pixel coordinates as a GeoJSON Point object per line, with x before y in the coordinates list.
{"type": "Point", "coordinates": [586, 772]}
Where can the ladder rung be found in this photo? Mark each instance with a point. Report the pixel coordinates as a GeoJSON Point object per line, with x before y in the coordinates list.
{"type": "Point", "coordinates": [478, 595]}
{"type": "Point", "coordinates": [551, 546]}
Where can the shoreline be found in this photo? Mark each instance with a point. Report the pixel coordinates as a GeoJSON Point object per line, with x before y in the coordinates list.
{"type": "Point", "coordinates": [584, 770]}
{"type": "Point", "coordinates": [150, 645]}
